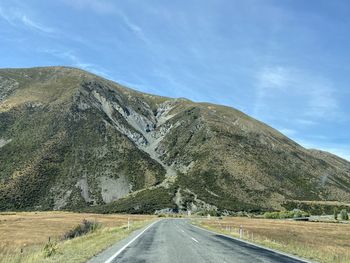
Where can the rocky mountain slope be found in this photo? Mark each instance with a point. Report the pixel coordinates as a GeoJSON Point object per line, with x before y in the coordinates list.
{"type": "Point", "coordinates": [72, 140]}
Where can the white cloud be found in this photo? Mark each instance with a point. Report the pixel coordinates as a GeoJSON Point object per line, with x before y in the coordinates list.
{"type": "Point", "coordinates": [305, 122]}
{"type": "Point", "coordinates": [18, 18]}
{"type": "Point", "coordinates": [137, 30]}
{"type": "Point", "coordinates": [304, 96]}
{"type": "Point", "coordinates": [75, 61]}
{"type": "Point", "coordinates": [322, 101]}
{"type": "Point", "coordinates": [97, 6]}
{"type": "Point", "coordinates": [34, 25]}
{"type": "Point", "coordinates": [273, 78]}
{"type": "Point", "coordinates": [109, 8]}
{"type": "Point", "coordinates": [67, 54]}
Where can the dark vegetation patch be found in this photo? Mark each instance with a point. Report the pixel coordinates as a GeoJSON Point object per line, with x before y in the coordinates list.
{"type": "Point", "coordinates": [144, 202]}
{"type": "Point", "coordinates": [208, 180]}
{"type": "Point", "coordinates": [83, 228]}
{"type": "Point", "coordinates": [314, 208]}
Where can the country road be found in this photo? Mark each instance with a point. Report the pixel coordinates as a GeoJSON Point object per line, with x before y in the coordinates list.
{"type": "Point", "coordinates": [176, 240]}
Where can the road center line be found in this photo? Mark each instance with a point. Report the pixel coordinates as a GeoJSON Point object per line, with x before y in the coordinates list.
{"type": "Point", "coordinates": [195, 240]}
{"type": "Point", "coordinates": [128, 244]}
{"type": "Point", "coordinates": [182, 231]}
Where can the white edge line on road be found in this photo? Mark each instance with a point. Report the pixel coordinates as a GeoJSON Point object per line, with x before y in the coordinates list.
{"type": "Point", "coordinates": [128, 244]}
{"type": "Point", "coordinates": [195, 240]}
{"type": "Point", "coordinates": [256, 245]}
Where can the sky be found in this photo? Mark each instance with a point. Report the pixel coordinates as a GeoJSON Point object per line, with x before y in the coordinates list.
{"type": "Point", "coordinates": [286, 63]}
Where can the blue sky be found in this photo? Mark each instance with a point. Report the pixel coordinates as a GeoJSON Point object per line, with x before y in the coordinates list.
{"type": "Point", "coordinates": [286, 63]}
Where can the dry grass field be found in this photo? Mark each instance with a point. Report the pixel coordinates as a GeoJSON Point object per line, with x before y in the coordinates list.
{"type": "Point", "coordinates": [322, 242]}
{"type": "Point", "coordinates": [27, 229]}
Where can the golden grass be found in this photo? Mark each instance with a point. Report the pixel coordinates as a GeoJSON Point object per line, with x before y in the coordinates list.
{"type": "Point", "coordinates": [323, 242]}
{"type": "Point", "coordinates": [77, 250]}
{"type": "Point", "coordinates": [29, 229]}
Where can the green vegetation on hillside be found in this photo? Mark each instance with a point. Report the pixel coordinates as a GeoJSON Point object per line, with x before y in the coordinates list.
{"type": "Point", "coordinates": [77, 141]}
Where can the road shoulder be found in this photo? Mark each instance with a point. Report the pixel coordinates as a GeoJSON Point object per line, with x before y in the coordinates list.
{"type": "Point", "coordinates": [254, 244]}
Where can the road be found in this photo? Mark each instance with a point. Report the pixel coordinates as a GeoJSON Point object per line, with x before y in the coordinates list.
{"type": "Point", "coordinates": [176, 240]}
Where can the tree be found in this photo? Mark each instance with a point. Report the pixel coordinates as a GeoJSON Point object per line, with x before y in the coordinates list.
{"type": "Point", "coordinates": [344, 215]}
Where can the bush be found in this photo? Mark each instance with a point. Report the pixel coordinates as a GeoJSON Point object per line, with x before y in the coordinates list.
{"type": "Point", "coordinates": [82, 229]}
{"type": "Point", "coordinates": [50, 249]}
{"type": "Point", "coordinates": [344, 215]}
{"type": "Point", "coordinates": [286, 214]}
{"type": "Point", "coordinates": [272, 215]}
{"type": "Point", "coordinates": [300, 213]}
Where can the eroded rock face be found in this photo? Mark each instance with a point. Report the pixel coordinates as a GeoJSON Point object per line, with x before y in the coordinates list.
{"type": "Point", "coordinates": [141, 125]}
{"type": "Point", "coordinates": [114, 189]}
{"type": "Point", "coordinates": [3, 142]}
{"type": "Point", "coordinates": [7, 87]}
{"type": "Point", "coordinates": [84, 187]}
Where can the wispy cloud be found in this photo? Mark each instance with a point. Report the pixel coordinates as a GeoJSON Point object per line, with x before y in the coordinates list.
{"type": "Point", "coordinates": [104, 7]}
{"type": "Point", "coordinates": [73, 60]}
{"type": "Point", "coordinates": [273, 78]}
{"type": "Point", "coordinates": [134, 28]}
{"type": "Point", "coordinates": [98, 6]}
{"type": "Point", "coordinates": [305, 96]}
{"type": "Point", "coordinates": [34, 25]}
{"type": "Point", "coordinates": [306, 122]}
{"type": "Point", "coordinates": [18, 18]}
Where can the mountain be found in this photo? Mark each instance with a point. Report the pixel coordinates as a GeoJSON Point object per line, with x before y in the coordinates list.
{"type": "Point", "coordinates": [72, 140]}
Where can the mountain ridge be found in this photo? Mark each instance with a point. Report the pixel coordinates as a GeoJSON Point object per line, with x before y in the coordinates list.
{"type": "Point", "coordinates": [77, 140]}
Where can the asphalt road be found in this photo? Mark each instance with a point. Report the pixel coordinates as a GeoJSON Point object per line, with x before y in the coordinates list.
{"type": "Point", "coordinates": [176, 240]}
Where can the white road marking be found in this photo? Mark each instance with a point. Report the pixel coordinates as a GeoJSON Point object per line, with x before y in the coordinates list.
{"type": "Point", "coordinates": [195, 240]}
{"type": "Point", "coordinates": [182, 231]}
{"type": "Point", "coordinates": [128, 244]}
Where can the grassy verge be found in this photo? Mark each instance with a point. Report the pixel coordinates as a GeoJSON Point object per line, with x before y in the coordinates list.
{"type": "Point", "coordinates": [321, 242]}
{"type": "Point", "coordinates": [78, 249]}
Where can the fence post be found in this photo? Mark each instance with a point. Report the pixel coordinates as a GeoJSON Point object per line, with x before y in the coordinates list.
{"type": "Point", "coordinates": [240, 231]}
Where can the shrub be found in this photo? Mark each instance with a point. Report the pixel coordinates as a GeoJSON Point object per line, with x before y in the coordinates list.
{"type": "Point", "coordinates": [286, 214]}
{"type": "Point", "coordinates": [272, 215]}
{"type": "Point", "coordinates": [82, 229]}
{"type": "Point", "coordinates": [344, 215]}
{"type": "Point", "coordinates": [50, 249]}
{"type": "Point", "coordinates": [300, 213]}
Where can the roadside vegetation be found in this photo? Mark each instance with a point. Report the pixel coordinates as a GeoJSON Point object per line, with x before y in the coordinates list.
{"type": "Point", "coordinates": [319, 241]}
{"type": "Point", "coordinates": [61, 236]}
{"type": "Point", "coordinates": [316, 207]}
{"type": "Point", "coordinates": [286, 214]}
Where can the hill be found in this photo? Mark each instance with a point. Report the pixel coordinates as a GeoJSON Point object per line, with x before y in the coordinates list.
{"type": "Point", "coordinates": [72, 140]}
